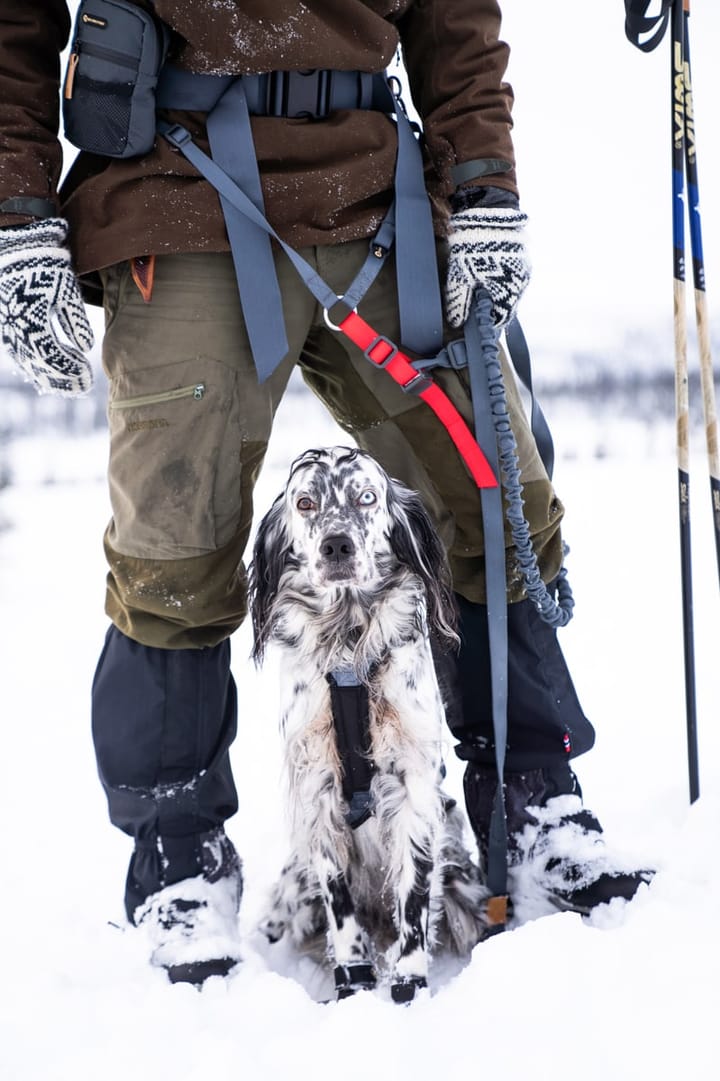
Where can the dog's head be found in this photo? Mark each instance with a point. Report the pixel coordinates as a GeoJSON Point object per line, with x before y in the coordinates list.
{"type": "Point", "coordinates": [342, 522]}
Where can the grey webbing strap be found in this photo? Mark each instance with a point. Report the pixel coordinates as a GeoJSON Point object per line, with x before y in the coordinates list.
{"type": "Point", "coordinates": [230, 136]}
{"type": "Point", "coordinates": [380, 245]}
{"type": "Point", "coordinates": [481, 339]}
{"type": "Point", "coordinates": [178, 89]}
{"type": "Point", "coordinates": [419, 295]}
{"type": "Point", "coordinates": [231, 143]}
{"type": "Point", "coordinates": [180, 138]}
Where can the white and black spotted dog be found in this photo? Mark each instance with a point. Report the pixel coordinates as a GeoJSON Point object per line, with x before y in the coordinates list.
{"type": "Point", "coordinates": [350, 580]}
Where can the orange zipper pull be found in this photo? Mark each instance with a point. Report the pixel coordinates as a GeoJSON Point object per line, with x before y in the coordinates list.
{"type": "Point", "coordinates": [70, 78]}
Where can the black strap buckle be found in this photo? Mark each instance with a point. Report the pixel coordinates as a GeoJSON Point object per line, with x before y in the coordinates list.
{"type": "Point", "coordinates": [296, 94]}
{"type": "Point", "coordinates": [417, 385]}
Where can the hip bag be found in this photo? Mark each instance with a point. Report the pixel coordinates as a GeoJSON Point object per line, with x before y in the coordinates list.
{"type": "Point", "coordinates": [117, 53]}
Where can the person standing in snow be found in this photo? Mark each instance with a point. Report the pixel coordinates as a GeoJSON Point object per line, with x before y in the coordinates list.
{"type": "Point", "coordinates": [190, 419]}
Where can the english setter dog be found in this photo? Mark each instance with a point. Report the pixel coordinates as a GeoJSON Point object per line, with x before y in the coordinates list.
{"type": "Point", "coordinates": [349, 579]}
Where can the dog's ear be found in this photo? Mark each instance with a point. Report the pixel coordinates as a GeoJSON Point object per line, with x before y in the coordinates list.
{"type": "Point", "coordinates": [416, 544]}
{"type": "Point", "coordinates": [269, 560]}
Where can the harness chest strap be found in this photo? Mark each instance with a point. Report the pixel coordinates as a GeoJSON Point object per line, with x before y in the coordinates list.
{"type": "Point", "coordinates": [350, 704]}
{"type": "Point", "coordinates": [230, 101]}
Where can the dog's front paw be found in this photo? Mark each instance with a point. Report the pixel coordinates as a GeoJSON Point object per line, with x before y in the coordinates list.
{"type": "Point", "coordinates": [352, 978]}
{"type": "Point", "coordinates": [403, 990]}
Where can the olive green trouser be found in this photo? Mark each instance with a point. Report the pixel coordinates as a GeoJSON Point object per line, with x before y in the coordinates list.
{"type": "Point", "coordinates": [189, 427]}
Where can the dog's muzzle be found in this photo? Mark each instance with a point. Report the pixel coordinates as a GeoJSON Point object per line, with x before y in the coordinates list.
{"type": "Point", "coordinates": [337, 552]}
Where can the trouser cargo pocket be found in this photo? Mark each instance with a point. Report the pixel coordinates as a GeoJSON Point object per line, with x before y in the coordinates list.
{"type": "Point", "coordinates": [174, 484]}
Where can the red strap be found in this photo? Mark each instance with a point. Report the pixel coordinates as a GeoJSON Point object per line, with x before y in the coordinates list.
{"type": "Point", "coordinates": [382, 352]}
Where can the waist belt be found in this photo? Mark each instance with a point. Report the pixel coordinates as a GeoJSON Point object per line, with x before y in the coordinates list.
{"type": "Point", "coordinates": [233, 171]}
{"type": "Point", "coordinates": [294, 94]}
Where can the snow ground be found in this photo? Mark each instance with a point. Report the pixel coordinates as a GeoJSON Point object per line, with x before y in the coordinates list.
{"type": "Point", "coordinates": [633, 994]}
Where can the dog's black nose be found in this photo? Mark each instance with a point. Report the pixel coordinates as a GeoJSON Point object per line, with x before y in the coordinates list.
{"type": "Point", "coordinates": [337, 547]}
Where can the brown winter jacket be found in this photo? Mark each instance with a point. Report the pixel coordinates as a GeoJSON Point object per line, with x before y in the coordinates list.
{"type": "Point", "coordinates": [324, 181]}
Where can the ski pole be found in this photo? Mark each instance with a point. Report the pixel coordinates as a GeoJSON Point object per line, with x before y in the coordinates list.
{"type": "Point", "coordinates": [638, 25]}
{"type": "Point", "coordinates": [707, 383]}
{"type": "Point", "coordinates": [682, 411]}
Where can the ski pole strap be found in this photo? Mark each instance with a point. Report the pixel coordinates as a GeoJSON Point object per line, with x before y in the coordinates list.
{"type": "Point", "coordinates": [481, 341]}
{"type": "Point", "coordinates": [232, 170]}
{"type": "Point", "coordinates": [637, 23]}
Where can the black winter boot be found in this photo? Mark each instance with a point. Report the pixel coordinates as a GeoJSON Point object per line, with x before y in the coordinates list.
{"type": "Point", "coordinates": [191, 925]}
{"type": "Point", "coordinates": [557, 856]}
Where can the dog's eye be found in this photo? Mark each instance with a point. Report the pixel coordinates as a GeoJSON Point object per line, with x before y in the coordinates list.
{"type": "Point", "coordinates": [305, 503]}
{"type": "Point", "coordinates": [367, 498]}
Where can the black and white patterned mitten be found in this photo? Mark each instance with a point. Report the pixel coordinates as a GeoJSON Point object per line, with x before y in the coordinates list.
{"type": "Point", "coordinates": [487, 251]}
{"type": "Point", "coordinates": [43, 323]}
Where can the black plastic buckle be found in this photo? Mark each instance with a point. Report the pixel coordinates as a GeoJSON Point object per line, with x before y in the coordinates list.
{"type": "Point", "coordinates": [296, 94]}
{"type": "Point", "coordinates": [417, 384]}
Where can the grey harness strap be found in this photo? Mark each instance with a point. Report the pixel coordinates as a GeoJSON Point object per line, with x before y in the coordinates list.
{"type": "Point", "coordinates": [232, 169]}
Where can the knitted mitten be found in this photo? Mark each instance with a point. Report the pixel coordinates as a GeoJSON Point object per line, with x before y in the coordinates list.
{"type": "Point", "coordinates": [486, 251]}
{"type": "Point", "coordinates": [42, 317]}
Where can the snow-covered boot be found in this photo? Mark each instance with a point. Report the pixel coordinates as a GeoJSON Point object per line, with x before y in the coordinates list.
{"type": "Point", "coordinates": [565, 857]}
{"type": "Point", "coordinates": [557, 856]}
{"type": "Point", "coordinates": [192, 929]}
{"type": "Point", "coordinates": [192, 926]}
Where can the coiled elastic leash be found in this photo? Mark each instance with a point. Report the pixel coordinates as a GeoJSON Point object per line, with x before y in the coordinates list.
{"type": "Point", "coordinates": [556, 612]}
{"type": "Point", "coordinates": [495, 435]}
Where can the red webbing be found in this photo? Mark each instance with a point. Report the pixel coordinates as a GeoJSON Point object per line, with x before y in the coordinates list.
{"type": "Point", "coordinates": [378, 349]}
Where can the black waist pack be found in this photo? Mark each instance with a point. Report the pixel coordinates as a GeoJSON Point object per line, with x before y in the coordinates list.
{"type": "Point", "coordinates": [117, 52]}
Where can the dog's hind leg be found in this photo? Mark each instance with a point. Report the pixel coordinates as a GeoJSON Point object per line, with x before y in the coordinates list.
{"type": "Point", "coordinates": [459, 896]}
